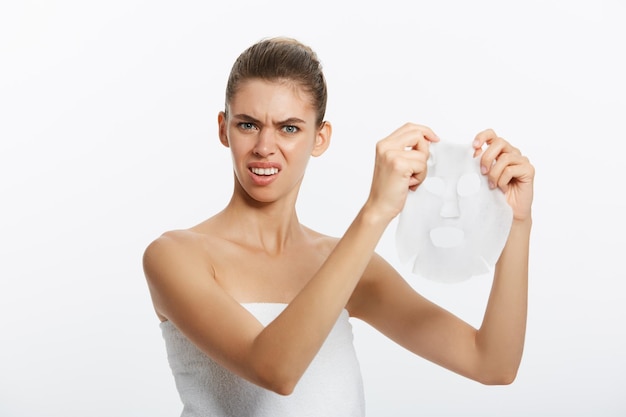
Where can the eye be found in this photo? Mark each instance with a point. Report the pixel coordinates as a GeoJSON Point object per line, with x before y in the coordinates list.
{"type": "Point", "coordinates": [290, 129]}
{"type": "Point", "coordinates": [246, 126]}
{"type": "Point", "coordinates": [435, 185]}
{"type": "Point", "coordinates": [468, 184]}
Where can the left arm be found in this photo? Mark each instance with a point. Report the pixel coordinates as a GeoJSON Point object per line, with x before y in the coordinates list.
{"type": "Point", "coordinates": [492, 353]}
{"type": "Point", "coordinates": [501, 335]}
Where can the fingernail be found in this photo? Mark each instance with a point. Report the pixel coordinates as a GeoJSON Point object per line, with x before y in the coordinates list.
{"type": "Point", "coordinates": [476, 143]}
{"type": "Point", "coordinates": [492, 185]}
{"type": "Point", "coordinates": [483, 169]}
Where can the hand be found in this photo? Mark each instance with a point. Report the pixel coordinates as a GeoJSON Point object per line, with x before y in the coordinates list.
{"type": "Point", "coordinates": [400, 166]}
{"type": "Point", "coordinates": [507, 169]}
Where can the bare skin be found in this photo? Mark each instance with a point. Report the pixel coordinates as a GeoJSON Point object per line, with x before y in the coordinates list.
{"type": "Point", "coordinates": [198, 279]}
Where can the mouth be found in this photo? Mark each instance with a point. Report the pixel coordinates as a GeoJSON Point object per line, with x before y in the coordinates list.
{"type": "Point", "coordinates": [264, 171]}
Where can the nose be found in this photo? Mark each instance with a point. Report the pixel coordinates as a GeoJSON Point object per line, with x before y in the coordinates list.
{"type": "Point", "coordinates": [265, 143]}
{"type": "Point", "coordinates": [450, 208]}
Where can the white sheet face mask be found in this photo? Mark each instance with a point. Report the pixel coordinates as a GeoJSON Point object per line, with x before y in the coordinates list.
{"type": "Point", "coordinates": [453, 226]}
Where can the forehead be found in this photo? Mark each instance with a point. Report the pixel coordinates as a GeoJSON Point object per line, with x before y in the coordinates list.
{"type": "Point", "coordinates": [259, 94]}
{"type": "Point", "coordinates": [451, 159]}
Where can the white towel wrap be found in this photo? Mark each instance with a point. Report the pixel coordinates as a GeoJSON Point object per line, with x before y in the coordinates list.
{"type": "Point", "coordinates": [331, 386]}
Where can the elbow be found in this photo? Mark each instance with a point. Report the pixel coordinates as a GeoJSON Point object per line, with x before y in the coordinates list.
{"type": "Point", "coordinates": [277, 379]}
{"type": "Point", "coordinates": [503, 380]}
{"type": "Point", "coordinates": [497, 369]}
{"type": "Point", "coordinates": [502, 377]}
{"type": "Point", "coordinates": [284, 389]}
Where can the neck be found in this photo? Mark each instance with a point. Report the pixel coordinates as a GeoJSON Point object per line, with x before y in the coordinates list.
{"type": "Point", "coordinates": [268, 226]}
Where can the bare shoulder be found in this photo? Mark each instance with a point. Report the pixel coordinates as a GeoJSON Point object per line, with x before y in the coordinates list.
{"type": "Point", "coordinates": [176, 260]}
{"type": "Point", "coordinates": [190, 245]}
{"type": "Point", "coordinates": [172, 245]}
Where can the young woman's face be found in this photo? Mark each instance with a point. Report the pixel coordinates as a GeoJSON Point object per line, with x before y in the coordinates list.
{"type": "Point", "coordinates": [271, 131]}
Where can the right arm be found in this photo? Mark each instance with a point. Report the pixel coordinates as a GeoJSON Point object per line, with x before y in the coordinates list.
{"type": "Point", "coordinates": [185, 292]}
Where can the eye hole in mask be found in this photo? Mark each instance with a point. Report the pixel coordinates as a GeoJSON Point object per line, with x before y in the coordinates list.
{"type": "Point", "coordinates": [468, 184]}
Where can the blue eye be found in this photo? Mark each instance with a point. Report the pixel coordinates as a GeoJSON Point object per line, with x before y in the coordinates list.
{"type": "Point", "coordinates": [246, 125]}
{"type": "Point", "coordinates": [290, 129]}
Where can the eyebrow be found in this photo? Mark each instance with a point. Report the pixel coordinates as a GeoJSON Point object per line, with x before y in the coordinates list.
{"type": "Point", "coordinates": [288, 121]}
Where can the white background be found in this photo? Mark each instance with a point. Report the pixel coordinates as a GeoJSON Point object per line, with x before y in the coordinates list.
{"type": "Point", "coordinates": [108, 138]}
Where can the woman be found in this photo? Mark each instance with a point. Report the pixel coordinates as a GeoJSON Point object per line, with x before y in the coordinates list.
{"type": "Point", "coordinates": [254, 306]}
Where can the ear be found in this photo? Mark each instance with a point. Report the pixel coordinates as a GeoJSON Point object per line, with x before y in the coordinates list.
{"type": "Point", "coordinates": [322, 139]}
{"type": "Point", "coordinates": [222, 122]}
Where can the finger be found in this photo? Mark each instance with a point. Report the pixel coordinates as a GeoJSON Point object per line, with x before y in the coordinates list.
{"type": "Point", "coordinates": [486, 136]}
{"type": "Point", "coordinates": [428, 133]}
{"type": "Point", "coordinates": [509, 167]}
{"type": "Point", "coordinates": [414, 182]}
{"type": "Point", "coordinates": [420, 170]}
{"type": "Point", "coordinates": [411, 165]}
{"type": "Point", "coordinates": [417, 178]}
{"type": "Point", "coordinates": [411, 135]}
{"type": "Point", "coordinates": [424, 131]}
{"type": "Point", "coordinates": [422, 145]}
{"type": "Point", "coordinates": [496, 168]}
{"type": "Point", "coordinates": [408, 160]}
{"type": "Point", "coordinates": [494, 151]}
{"type": "Point", "coordinates": [511, 174]}
{"type": "Point", "coordinates": [407, 144]}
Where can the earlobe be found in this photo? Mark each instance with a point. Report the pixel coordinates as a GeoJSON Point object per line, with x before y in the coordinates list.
{"type": "Point", "coordinates": [222, 124]}
{"type": "Point", "coordinates": [322, 139]}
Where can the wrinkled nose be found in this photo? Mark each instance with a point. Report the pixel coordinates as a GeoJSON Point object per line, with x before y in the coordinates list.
{"type": "Point", "coordinates": [265, 143]}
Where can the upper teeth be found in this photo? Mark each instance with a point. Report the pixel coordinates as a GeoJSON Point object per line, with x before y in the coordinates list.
{"type": "Point", "coordinates": [264, 171]}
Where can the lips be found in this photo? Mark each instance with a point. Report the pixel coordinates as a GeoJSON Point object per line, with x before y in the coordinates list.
{"type": "Point", "coordinates": [264, 171]}
{"type": "Point", "coordinates": [264, 168]}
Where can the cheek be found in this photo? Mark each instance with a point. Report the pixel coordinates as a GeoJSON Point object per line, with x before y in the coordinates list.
{"type": "Point", "coordinates": [472, 210]}
{"type": "Point", "coordinates": [235, 152]}
{"type": "Point", "coordinates": [430, 206]}
{"type": "Point", "coordinates": [297, 151]}
{"type": "Point", "coordinates": [422, 211]}
{"type": "Point", "coordinates": [241, 146]}
{"type": "Point", "coordinates": [239, 159]}
{"type": "Point", "coordinates": [478, 206]}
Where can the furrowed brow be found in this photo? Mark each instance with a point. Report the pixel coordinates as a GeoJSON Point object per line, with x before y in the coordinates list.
{"type": "Point", "coordinates": [246, 118]}
{"type": "Point", "coordinates": [291, 121]}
